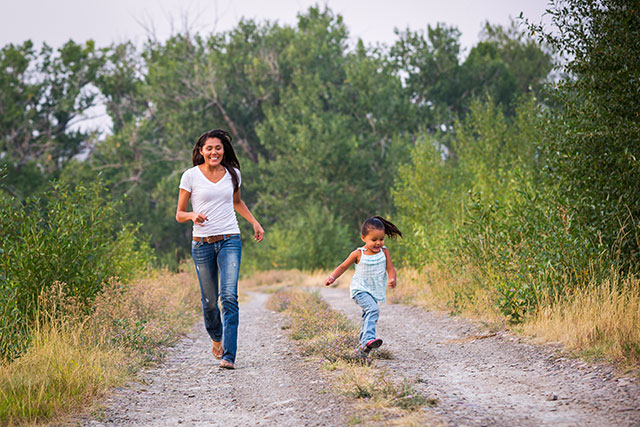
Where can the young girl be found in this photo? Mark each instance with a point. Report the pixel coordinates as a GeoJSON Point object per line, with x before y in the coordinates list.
{"type": "Point", "coordinates": [369, 283]}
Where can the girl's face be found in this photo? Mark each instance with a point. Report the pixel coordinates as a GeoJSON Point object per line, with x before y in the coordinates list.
{"type": "Point", "coordinates": [374, 240]}
{"type": "Point", "coordinates": [212, 150]}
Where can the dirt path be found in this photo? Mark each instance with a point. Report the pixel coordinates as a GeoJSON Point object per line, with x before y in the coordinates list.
{"type": "Point", "coordinates": [496, 380]}
{"type": "Point", "coordinates": [271, 385]}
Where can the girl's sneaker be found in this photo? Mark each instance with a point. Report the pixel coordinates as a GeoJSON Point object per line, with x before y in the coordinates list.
{"type": "Point", "coordinates": [372, 344]}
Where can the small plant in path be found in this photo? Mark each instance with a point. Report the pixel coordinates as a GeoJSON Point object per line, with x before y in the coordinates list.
{"type": "Point", "coordinates": [377, 386]}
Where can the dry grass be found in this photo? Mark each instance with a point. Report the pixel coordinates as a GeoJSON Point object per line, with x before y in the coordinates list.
{"type": "Point", "coordinates": [377, 387]}
{"type": "Point", "coordinates": [75, 357]}
{"type": "Point", "coordinates": [271, 280]}
{"type": "Point", "coordinates": [436, 288]}
{"type": "Point", "coordinates": [59, 372]}
{"type": "Point", "coordinates": [598, 320]}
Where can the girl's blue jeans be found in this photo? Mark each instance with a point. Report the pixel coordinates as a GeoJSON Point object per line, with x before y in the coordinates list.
{"type": "Point", "coordinates": [370, 314]}
{"type": "Point", "coordinates": [218, 267]}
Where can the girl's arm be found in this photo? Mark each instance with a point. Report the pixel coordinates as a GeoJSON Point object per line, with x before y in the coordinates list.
{"type": "Point", "coordinates": [353, 257]}
{"type": "Point", "coordinates": [181, 212]}
{"type": "Point", "coordinates": [243, 210]}
{"type": "Point", "coordinates": [390, 269]}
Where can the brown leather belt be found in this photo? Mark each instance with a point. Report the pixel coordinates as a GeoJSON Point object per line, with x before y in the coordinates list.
{"type": "Point", "coordinates": [213, 239]}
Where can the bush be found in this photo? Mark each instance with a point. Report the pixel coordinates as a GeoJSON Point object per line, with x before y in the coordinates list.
{"type": "Point", "coordinates": [311, 239]}
{"type": "Point", "coordinates": [73, 236]}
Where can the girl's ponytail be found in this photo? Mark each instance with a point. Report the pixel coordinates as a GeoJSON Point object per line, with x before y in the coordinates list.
{"type": "Point", "coordinates": [379, 223]}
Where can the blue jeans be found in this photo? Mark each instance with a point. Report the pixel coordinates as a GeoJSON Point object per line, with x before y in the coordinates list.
{"type": "Point", "coordinates": [219, 263]}
{"type": "Point", "coordinates": [370, 314]}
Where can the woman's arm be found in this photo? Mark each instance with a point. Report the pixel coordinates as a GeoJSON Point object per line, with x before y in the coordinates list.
{"type": "Point", "coordinates": [243, 210]}
{"type": "Point", "coordinates": [181, 212]}
{"type": "Point", "coordinates": [390, 269]}
{"type": "Point", "coordinates": [353, 257]}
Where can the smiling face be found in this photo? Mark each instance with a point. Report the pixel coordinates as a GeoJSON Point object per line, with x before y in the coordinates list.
{"type": "Point", "coordinates": [212, 150]}
{"type": "Point", "coordinates": [374, 240]}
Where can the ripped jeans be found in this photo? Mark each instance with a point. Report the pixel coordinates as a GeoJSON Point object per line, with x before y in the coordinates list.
{"type": "Point", "coordinates": [218, 266]}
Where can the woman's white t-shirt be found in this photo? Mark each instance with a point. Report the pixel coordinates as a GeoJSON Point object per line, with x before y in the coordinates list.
{"type": "Point", "coordinates": [212, 199]}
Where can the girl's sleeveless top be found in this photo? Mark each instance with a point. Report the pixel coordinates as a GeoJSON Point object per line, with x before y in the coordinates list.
{"type": "Point", "coordinates": [370, 276]}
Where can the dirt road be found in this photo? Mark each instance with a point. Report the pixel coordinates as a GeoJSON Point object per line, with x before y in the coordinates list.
{"type": "Point", "coordinates": [495, 380]}
{"type": "Point", "coordinates": [271, 385]}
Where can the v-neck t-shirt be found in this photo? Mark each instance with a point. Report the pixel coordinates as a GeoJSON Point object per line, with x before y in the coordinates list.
{"type": "Point", "coordinates": [212, 199]}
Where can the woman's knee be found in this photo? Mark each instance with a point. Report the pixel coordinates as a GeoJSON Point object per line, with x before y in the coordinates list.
{"type": "Point", "coordinates": [229, 299]}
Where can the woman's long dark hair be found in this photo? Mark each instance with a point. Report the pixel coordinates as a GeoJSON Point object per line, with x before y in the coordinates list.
{"type": "Point", "coordinates": [379, 223]}
{"type": "Point", "coordinates": [229, 159]}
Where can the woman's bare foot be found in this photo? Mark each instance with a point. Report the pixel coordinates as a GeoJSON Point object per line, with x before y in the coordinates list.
{"type": "Point", "coordinates": [216, 349]}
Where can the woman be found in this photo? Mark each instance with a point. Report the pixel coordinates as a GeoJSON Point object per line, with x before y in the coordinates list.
{"type": "Point", "coordinates": [213, 186]}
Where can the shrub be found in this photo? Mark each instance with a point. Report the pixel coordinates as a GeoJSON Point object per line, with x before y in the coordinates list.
{"type": "Point", "coordinates": [72, 235]}
{"type": "Point", "coordinates": [310, 239]}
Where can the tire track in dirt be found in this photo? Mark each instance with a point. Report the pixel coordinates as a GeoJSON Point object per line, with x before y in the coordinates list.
{"type": "Point", "coordinates": [497, 380]}
{"type": "Point", "coordinates": [271, 385]}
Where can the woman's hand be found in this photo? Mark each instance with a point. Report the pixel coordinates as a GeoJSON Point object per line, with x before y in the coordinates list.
{"type": "Point", "coordinates": [198, 218]}
{"type": "Point", "coordinates": [258, 232]}
{"type": "Point", "coordinates": [330, 281]}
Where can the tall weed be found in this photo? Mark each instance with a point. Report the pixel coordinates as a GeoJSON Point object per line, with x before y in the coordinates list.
{"type": "Point", "coordinates": [600, 319]}
{"type": "Point", "coordinates": [75, 356]}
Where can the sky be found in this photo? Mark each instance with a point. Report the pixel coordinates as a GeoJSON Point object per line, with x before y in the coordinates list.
{"type": "Point", "coordinates": [113, 21]}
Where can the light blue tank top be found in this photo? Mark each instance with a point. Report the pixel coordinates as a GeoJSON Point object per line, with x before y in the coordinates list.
{"type": "Point", "coordinates": [370, 276]}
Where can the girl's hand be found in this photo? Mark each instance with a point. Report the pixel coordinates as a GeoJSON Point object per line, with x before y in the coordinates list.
{"type": "Point", "coordinates": [198, 218]}
{"type": "Point", "coordinates": [330, 281]}
{"type": "Point", "coordinates": [392, 282]}
{"type": "Point", "coordinates": [258, 232]}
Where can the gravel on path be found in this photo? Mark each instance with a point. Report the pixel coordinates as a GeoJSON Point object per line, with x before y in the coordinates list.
{"type": "Point", "coordinates": [271, 385]}
{"type": "Point", "coordinates": [495, 379]}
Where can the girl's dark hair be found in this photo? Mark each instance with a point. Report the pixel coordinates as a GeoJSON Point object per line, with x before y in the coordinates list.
{"type": "Point", "coordinates": [229, 159]}
{"type": "Point", "coordinates": [379, 223]}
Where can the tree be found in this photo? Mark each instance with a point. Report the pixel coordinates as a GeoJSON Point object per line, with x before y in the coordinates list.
{"type": "Point", "coordinates": [503, 65]}
{"type": "Point", "coordinates": [42, 97]}
{"type": "Point", "coordinates": [592, 144]}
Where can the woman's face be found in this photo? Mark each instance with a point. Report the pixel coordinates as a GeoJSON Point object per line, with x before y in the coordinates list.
{"type": "Point", "coordinates": [212, 151]}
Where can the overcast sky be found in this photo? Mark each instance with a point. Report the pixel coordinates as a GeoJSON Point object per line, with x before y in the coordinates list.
{"type": "Point", "coordinates": [108, 21]}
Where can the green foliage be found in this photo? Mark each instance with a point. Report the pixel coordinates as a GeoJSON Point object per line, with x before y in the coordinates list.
{"type": "Point", "coordinates": [481, 205]}
{"type": "Point", "coordinates": [309, 239]}
{"type": "Point", "coordinates": [592, 144]}
{"type": "Point", "coordinates": [319, 127]}
{"type": "Point", "coordinates": [41, 96]}
{"type": "Point", "coordinates": [504, 65]}
{"type": "Point", "coordinates": [485, 151]}
{"type": "Point", "coordinates": [73, 236]}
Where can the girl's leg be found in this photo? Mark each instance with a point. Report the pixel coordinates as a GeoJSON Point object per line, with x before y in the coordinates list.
{"type": "Point", "coordinates": [370, 314]}
{"type": "Point", "coordinates": [229, 256]}
{"type": "Point", "coordinates": [204, 258]}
